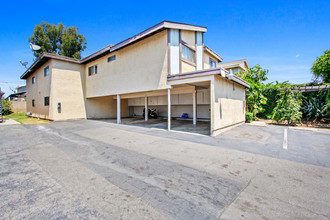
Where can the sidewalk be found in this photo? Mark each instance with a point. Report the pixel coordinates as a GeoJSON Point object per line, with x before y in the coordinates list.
{"type": "Point", "coordinates": [9, 121]}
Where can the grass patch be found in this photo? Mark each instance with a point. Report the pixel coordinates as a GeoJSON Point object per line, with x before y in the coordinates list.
{"type": "Point", "coordinates": [22, 118]}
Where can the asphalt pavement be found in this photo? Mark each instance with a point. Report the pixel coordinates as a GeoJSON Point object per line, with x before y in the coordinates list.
{"type": "Point", "coordinates": [98, 170]}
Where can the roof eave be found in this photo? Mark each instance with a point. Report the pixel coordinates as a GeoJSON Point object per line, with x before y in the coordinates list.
{"type": "Point", "coordinates": [150, 31]}
{"type": "Point", "coordinates": [47, 56]}
{"type": "Point", "coordinates": [209, 50]}
{"type": "Point", "coordinates": [208, 72]}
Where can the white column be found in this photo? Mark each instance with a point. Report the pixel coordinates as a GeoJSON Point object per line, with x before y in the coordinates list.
{"type": "Point", "coordinates": [169, 109]}
{"type": "Point", "coordinates": [174, 38]}
{"type": "Point", "coordinates": [199, 50]}
{"type": "Point", "coordinates": [146, 108]}
{"type": "Point", "coordinates": [194, 108]}
{"type": "Point", "coordinates": [118, 110]}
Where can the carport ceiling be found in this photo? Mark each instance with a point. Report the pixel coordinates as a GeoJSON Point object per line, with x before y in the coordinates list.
{"type": "Point", "coordinates": [200, 85]}
{"type": "Point", "coordinates": [197, 85]}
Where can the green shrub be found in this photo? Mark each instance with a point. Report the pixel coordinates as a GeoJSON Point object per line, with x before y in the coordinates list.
{"type": "Point", "coordinates": [249, 117]}
{"type": "Point", "coordinates": [271, 92]}
{"type": "Point", "coordinates": [6, 107]}
{"type": "Point", "coordinates": [326, 110]}
{"type": "Point", "coordinates": [287, 108]}
{"type": "Point", "coordinates": [314, 105]}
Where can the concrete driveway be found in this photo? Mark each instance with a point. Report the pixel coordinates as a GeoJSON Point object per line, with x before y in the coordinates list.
{"type": "Point", "coordinates": [98, 170]}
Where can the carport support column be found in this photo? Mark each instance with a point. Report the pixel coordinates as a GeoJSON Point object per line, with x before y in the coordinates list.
{"type": "Point", "coordinates": [118, 109]}
{"type": "Point", "coordinates": [146, 112]}
{"type": "Point", "coordinates": [194, 108]}
{"type": "Point", "coordinates": [169, 109]}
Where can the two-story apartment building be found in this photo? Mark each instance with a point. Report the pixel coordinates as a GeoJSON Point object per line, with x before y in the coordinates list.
{"type": "Point", "coordinates": [235, 66]}
{"type": "Point", "coordinates": [166, 66]}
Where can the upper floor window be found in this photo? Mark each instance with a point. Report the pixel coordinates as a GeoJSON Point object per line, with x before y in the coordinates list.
{"type": "Point", "coordinates": [33, 80]}
{"type": "Point", "coordinates": [46, 101]}
{"type": "Point", "coordinates": [188, 53]}
{"type": "Point", "coordinates": [213, 63]}
{"type": "Point", "coordinates": [46, 71]}
{"type": "Point", "coordinates": [112, 58]}
{"type": "Point", "coordinates": [33, 103]}
{"type": "Point", "coordinates": [92, 70]}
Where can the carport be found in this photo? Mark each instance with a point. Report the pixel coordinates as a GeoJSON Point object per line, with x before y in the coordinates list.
{"type": "Point", "coordinates": [192, 99]}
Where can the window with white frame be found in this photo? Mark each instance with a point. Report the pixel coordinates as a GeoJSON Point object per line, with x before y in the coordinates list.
{"type": "Point", "coordinates": [213, 63]}
{"type": "Point", "coordinates": [92, 70]}
{"type": "Point", "coordinates": [46, 71]}
{"type": "Point", "coordinates": [188, 53]}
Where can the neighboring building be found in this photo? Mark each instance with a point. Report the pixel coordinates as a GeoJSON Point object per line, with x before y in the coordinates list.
{"type": "Point", "coordinates": [18, 103]}
{"type": "Point", "coordinates": [235, 66]}
{"type": "Point", "coordinates": [166, 66]}
{"type": "Point", "coordinates": [19, 95]}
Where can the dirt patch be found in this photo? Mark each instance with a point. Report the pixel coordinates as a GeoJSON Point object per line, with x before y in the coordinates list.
{"type": "Point", "coordinates": [323, 123]}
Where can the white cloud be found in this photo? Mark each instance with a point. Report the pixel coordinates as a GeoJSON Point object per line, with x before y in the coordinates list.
{"type": "Point", "coordinates": [298, 55]}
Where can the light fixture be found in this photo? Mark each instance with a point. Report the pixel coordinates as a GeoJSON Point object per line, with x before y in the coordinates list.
{"type": "Point", "coordinates": [230, 75]}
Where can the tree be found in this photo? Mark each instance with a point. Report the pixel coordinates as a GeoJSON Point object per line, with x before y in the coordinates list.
{"type": "Point", "coordinates": [254, 97]}
{"type": "Point", "coordinates": [254, 75]}
{"type": "Point", "coordinates": [321, 67]}
{"type": "Point", "coordinates": [58, 39]}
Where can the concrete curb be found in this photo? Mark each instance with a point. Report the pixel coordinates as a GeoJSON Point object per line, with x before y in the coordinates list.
{"type": "Point", "coordinates": [9, 121]}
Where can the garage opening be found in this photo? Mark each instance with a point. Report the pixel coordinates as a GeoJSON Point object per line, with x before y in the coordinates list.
{"type": "Point", "coordinates": [186, 101]}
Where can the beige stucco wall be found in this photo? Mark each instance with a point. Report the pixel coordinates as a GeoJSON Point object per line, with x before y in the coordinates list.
{"type": "Point", "coordinates": [180, 103]}
{"type": "Point", "coordinates": [38, 91]}
{"type": "Point", "coordinates": [105, 107]}
{"type": "Point", "coordinates": [227, 104]}
{"type": "Point", "coordinates": [138, 67]}
{"type": "Point", "coordinates": [67, 89]}
{"type": "Point", "coordinates": [188, 37]}
{"type": "Point", "coordinates": [203, 111]}
{"type": "Point", "coordinates": [18, 106]}
{"type": "Point", "coordinates": [186, 67]}
{"type": "Point", "coordinates": [206, 59]}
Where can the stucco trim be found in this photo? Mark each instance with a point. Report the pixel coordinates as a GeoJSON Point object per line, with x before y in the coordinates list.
{"type": "Point", "coordinates": [206, 48]}
{"type": "Point", "coordinates": [208, 72]}
{"type": "Point", "coordinates": [180, 52]}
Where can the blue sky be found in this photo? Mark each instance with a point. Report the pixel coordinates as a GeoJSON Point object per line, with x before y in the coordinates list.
{"type": "Point", "coordinates": [282, 36]}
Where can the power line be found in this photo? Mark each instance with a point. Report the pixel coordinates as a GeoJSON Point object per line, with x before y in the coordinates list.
{"type": "Point", "coordinates": [11, 82]}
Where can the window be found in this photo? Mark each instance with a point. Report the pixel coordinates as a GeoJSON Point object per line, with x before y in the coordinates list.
{"type": "Point", "coordinates": [188, 54]}
{"type": "Point", "coordinates": [213, 63]}
{"type": "Point", "coordinates": [33, 103]}
{"type": "Point", "coordinates": [33, 80]}
{"type": "Point", "coordinates": [92, 70]}
{"type": "Point", "coordinates": [46, 101]}
{"type": "Point", "coordinates": [46, 71]}
{"type": "Point", "coordinates": [112, 58]}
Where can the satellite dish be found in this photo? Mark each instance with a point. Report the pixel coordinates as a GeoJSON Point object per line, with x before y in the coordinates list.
{"type": "Point", "coordinates": [34, 47]}
{"type": "Point", "coordinates": [24, 63]}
